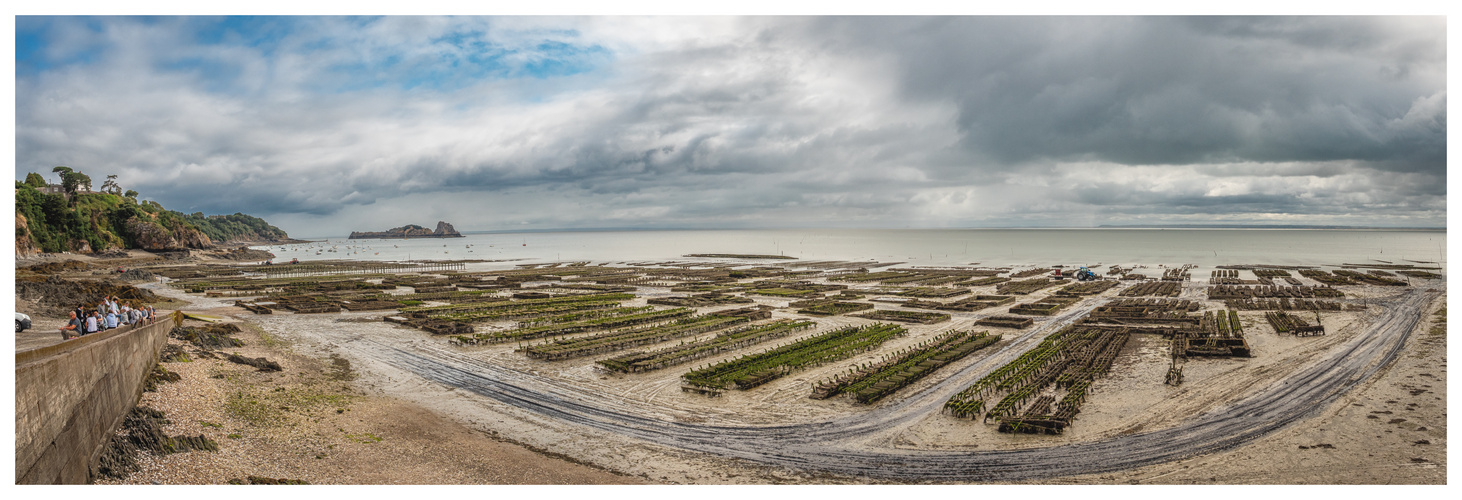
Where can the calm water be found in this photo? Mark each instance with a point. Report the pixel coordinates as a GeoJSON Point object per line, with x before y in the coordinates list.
{"type": "Point", "coordinates": [916, 247]}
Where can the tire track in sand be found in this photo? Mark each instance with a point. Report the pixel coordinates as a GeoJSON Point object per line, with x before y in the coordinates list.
{"type": "Point", "coordinates": [833, 446]}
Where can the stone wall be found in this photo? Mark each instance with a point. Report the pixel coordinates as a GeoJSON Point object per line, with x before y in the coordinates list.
{"type": "Point", "coordinates": [70, 397]}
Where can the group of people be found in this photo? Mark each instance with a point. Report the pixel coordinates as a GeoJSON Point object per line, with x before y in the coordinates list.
{"type": "Point", "coordinates": [107, 314]}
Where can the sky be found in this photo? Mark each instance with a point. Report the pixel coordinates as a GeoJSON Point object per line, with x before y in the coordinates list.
{"type": "Point", "coordinates": [326, 125]}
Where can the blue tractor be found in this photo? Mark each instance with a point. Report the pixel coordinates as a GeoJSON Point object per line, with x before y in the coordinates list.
{"type": "Point", "coordinates": [1083, 274]}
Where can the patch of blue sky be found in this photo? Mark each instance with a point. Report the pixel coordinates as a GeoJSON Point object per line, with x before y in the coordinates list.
{"type": "Point", "coordinates": [34, 35]}
{"type": "Point", "coordinates": [260, 32]}
{"type": "Point", "coordinates": [28, 57]}
{"type": "Point", "coordinates": [554, 58]}
{"type": "Point", "coordinates": [461, 59]}
{"type": "Point", "coordinates": [466, 40]}
{"type": "Point", "coordinates": [472, 48]}
{"type": "Point", "coordinates": [468, 59]}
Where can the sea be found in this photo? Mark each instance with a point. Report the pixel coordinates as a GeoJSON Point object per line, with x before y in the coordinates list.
{"type": "Point", "coordinates": [1203, 248]}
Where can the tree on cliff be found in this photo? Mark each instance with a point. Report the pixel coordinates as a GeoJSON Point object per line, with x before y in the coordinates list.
{"type": "Point", "coordinates": [35, 180]}
{"type": "Point", "coordinates": [72, 181]}
{"type": "Point", "coordinates": [110, 186]}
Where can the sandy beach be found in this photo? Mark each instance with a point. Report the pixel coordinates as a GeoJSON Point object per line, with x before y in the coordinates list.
{"type": "Point", "coordinates": [471, 436]}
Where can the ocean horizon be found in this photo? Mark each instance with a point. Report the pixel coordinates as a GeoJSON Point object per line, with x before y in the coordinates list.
{"type": "Point", "coordinates": [1200, 247]}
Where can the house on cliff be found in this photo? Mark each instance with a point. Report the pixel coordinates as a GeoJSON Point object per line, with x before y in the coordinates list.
{"type": "Point", "coordinates": [58, 189]}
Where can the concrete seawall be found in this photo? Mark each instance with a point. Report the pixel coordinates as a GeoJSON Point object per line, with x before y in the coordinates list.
{"type": "Point", "coordinates": [71, 396]}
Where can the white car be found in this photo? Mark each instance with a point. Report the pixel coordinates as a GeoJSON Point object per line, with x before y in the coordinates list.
{"type": "Point", "coordinates": [22, 322]}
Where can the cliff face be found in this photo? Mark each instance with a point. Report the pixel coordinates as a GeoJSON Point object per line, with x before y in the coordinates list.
{"type": "Point", "coordinates": [78, 245]}
{"type": "Point", "coordinates": [444, 230]}
{"type": "Point", "coordinates": [24, 246]}
{"type": "Point", "coordinates": [152, 236]}
{"type": "Point", "coordinates": [192, 238]}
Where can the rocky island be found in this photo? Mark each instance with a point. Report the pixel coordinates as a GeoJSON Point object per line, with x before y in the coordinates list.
{"type": "Point", "coordinates": [444, 230]}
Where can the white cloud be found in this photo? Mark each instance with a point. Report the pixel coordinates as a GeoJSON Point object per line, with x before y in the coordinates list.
{"type": "Point", "coordinates": [752, 121]}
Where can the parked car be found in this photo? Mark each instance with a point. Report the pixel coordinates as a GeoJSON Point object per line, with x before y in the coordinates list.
{"type": "Point", "coordinates": [22, 322]}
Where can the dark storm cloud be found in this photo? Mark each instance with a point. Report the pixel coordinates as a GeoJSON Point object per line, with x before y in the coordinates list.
{"type": "Point", "coordinates": [1141, 191]}
{"type": "Point", "coordinates": [577, 122]}
{"type": "Point", "coordinates": [1144, 91]}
